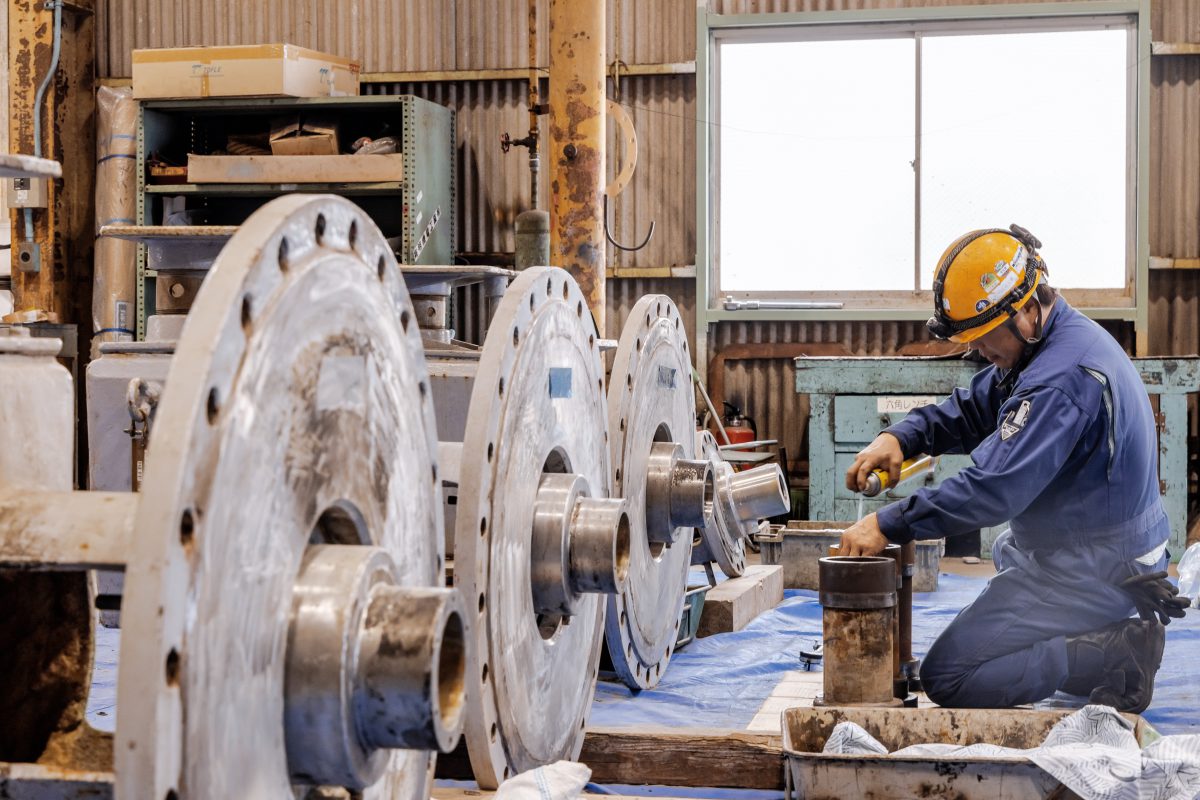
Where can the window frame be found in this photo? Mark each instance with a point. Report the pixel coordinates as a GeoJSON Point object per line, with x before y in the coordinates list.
{"type": "Point", "coordinates": [1128, 303]}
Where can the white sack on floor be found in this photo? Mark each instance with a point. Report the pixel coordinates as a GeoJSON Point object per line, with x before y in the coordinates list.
{"type": "Point", "coordinates": [562, 780]}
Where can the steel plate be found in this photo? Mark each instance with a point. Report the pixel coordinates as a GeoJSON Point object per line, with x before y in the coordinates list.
{"type": "Point", "coordinates": [538, 391]}
{"type": "Point", "coordinates": [650, 398]}
{"type": "Point", "coordinates": [296, 411]}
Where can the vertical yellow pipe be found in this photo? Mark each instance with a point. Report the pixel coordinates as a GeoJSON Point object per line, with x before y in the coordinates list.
{"type": "Point", "coordinates": [577, 144]}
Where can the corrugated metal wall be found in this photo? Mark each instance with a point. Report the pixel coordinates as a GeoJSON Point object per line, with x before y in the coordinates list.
{"type": "Point", "coordinates": [405, 35]}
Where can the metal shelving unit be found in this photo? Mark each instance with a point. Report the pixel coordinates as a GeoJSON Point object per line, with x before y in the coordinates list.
{"type": "Point", "coordinates": [417, 214]}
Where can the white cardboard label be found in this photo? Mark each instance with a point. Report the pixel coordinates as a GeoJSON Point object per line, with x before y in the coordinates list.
{"type": "Point", "coordinates": [903, 405]}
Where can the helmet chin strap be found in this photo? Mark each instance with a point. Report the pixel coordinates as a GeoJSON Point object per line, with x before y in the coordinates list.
{"type": "Point", "coordinates": [1028, 346]}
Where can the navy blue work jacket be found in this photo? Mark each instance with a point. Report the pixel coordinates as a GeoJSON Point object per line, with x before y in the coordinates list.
{"type": "Point", "coordinates": [1068, 451]}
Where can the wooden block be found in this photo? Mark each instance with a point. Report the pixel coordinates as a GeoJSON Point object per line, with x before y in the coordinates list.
{"type": "Point", "coordinates": [731, 605]}
{"type": "Point", "coordinates": [447, 793]}
{"type": "Point", "coordinates": [296, 169]}
{"type": "Point", "coordinates": [718, 758]}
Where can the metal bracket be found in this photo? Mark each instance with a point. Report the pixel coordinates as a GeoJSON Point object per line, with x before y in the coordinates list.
{"type": "Point", "coordinates": [29, 257]}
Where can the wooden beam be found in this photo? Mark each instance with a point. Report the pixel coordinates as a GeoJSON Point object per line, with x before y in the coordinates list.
{"type": "Point", "coordinates": [1162, 262]}
{"type": "Point", "coordinates": [499, 74]}
{"type": "Point", "coordinates": [733, 759]}
{"type": "Point", "coordinates": [487, 794]}
{"type": "Point", "coordinates": [685, 271]}
{"type": "Point", "coordinates": [734, 604]}
{"type": "Point", "coordinates": [1175, 48]}
{"type": "Point", "coordinates": [60, 291]}
{"type": "Point", "coordinates": [514, 73]}
{"type": "Point", "coordinates": [448, 75]}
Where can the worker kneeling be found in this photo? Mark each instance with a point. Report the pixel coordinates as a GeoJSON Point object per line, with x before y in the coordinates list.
{"type": "Point", "coordinates": [1063, 442]}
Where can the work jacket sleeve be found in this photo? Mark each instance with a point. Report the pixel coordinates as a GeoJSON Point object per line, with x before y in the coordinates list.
{"type": "Point", "coordinates": [957, 424]}
{"type": "Point", "coordinates": [1038, 430]}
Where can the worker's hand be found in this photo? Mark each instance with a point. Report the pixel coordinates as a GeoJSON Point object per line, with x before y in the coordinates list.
{"type": "Point", "coordinates": [863, 538]}
{"type": "Point", "coordinates": [1155, 596]}
{"type": "Point", "coordinates": [883, 453]}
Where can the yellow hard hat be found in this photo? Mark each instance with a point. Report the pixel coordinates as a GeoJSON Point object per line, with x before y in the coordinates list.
{"type": "Point", "coordinates": [981, 280]}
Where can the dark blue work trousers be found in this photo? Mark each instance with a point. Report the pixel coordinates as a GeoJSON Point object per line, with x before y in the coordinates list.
{"type": "Point", "coordinates": [1008, 647]}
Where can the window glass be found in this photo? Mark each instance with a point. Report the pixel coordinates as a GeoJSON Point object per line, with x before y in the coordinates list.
{"type": "Point", "coordinates": [817, 139]}
{"type": "Point", "coordinates": [816, 185]}
{"type": "Point", "coordinates": [1028, 128]}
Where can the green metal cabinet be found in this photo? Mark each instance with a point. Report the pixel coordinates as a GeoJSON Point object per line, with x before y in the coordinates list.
{"type": "Point", "coordinates": [853, 399]}
{"type": "Point", "coordinates": [417, 215]}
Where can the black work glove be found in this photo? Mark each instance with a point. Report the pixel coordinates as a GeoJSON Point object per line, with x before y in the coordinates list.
{"type": "Point", "coordinates": [1155, 596]}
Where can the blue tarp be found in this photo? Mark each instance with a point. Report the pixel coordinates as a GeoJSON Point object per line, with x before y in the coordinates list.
{"type": "Point", "coordinates": [721, 681]}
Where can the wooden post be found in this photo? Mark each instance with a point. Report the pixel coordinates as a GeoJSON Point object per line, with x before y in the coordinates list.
{"type": "Point", "coordinates": [60, 291]}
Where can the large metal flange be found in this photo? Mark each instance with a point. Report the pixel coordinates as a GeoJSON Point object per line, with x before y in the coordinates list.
{"type": "Point", "coordinates": [296, 414]}
{"type": "Point", "coordinates": [535, 469]}
{"type": "Point", "coordinates": [722, 537]}
{"type": "Point", "coordinates": [650, 406]}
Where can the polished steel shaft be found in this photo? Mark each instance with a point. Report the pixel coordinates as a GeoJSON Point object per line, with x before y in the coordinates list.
{"type": "Point", "coordinates": [759, 493]}
{"type": "Point", "coordinates": [580, 544]}
{"type": "Point", "coordinates": [371, 666]}
{"type": "Point", "coordinates": [677, 489]}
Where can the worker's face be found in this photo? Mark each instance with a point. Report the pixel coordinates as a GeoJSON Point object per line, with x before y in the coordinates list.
{"type": "Point", "coordinates": [1000, 347]}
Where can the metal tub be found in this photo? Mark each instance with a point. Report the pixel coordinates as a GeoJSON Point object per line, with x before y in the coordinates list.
{"type": "Point", "coordinates": [813, 775]}
{"type": "Point", "coordinates": [798, 546]}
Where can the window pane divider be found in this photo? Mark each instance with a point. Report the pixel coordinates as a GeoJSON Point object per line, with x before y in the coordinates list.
{"type": "Point", "coordinates": [917, 168]}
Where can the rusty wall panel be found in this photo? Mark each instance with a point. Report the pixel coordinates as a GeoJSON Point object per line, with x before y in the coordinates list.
{"type": "Point", "coordinates": [1175, 312]}
{"type": "Point", "coordinates": [663, 109]}
{"type": "Point", "coordinates": [623, 293]}
{"type": "Point", "coordinates": [1175, 157]}
{"type": "Point", "coordinates": [385, 35]}
{"type": "Point", "coordinates": [658, 32]}
{"type": "Point", "coordinates": [765, 389]}
{"type": "Point", "coordinates": [1175, 20]}
{"type": "Point", "coordinates": [493, 187]}
{"type": "Point", "coordinates": [494, 34]}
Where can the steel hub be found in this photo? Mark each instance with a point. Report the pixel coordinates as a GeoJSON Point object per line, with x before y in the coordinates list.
{"type": "Point", "coordinates": [740, 500]}
{"type": "Point", "coordinates": [721, 537]}
{"type": "Point", "coordinates": [650, 414]}
{"type": "Point", "coordinates": [295, 427]}
{"type": "Point", "coordinates": [536, 542]}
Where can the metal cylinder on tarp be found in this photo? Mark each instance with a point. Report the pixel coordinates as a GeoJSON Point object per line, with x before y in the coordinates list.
{"type": "Point", "coordinates": [114, 285]}
{"type": "Point", "coordinates": [858, 598]}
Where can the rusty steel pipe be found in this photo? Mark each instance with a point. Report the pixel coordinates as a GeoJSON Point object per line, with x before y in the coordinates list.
{"type": "Point", "coordinates": [908, 665]}
{"type": "Point", "coordinates": [858, 598]}
{"type": "Point", "coordinates": [577, 145]}
{"type": "Point", "coordinates": [894, 552]}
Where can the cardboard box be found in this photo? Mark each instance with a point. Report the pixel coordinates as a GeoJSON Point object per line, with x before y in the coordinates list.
{"type": "Point", "coordinates": [291, 136]}
{"type": "Point", "coordinates": [242, 71]}
{"type": "Point", "coordinates": [295, 169]}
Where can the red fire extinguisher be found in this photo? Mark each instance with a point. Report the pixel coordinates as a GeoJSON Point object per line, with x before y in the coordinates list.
{"type": "Point", "coordinates": [738, 426]}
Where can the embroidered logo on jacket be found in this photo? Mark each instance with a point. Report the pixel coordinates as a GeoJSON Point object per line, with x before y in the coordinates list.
{"type": "Point", "coordinates": [1014, 421]}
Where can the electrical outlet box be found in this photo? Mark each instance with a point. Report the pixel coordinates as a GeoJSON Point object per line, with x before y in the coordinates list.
{"type": "Point", "coordinates": [27, 256]}
{"type": "Point", "coordinates": [27, 193]}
